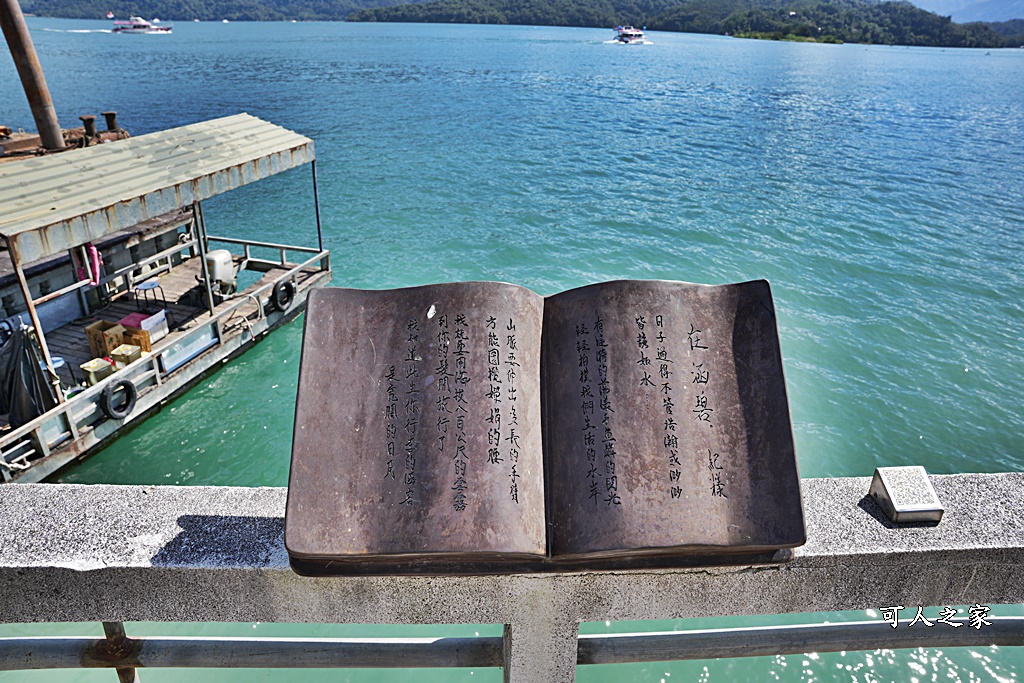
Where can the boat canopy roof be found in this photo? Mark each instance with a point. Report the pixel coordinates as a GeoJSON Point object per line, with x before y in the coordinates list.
{"type": "Point", "coordinates": [54, 203]}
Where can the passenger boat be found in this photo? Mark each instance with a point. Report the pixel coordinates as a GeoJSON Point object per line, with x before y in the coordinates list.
{"type": "Point", "coordinates": [629, 35]}
{"type": "Point", "coordinates": [114, 298]}
{"type": "Point", "coordinates": [139, 25]}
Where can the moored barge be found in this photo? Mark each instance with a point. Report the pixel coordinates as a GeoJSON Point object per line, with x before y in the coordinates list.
{"type": "Point", "coordinates": [118, 297]}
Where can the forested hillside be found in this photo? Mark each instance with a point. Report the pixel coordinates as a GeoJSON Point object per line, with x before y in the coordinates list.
{"type": "Point", "coordinates": [204, 10]}
{"type": "Point", "coordinates": [857, 21]}
{"type": "Point", "coordinates": [1011, 29]}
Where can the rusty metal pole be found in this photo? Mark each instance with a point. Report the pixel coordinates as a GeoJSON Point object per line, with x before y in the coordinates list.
{"type": "Point", "coordinates": [31, 73]}
{"type": "Point", "coordinates": [316, 207]}
{"type": "Point", "coordinates": [197, 211]}
{"type": "Point", "coordinates": [34, 315]}
{"type": "Point", "coordinates": [118, 645]}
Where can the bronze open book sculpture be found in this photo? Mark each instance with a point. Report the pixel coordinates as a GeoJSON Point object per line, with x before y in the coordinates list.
{"type": "Point", "coordinates": [479, 427]}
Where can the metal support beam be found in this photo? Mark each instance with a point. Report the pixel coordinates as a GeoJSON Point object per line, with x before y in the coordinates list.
{"type": "Point", "coordinates": [12, 21]}
{"type": "Point", "coordinates": [316, 206]}
{"type": "Point", "coordinates": [197, 211]}
{"type": "Point", "coordinates": [16, 262]}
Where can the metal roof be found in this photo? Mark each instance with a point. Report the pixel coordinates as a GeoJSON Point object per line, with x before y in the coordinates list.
{"type": "Point", "coordinates": [54, 203]}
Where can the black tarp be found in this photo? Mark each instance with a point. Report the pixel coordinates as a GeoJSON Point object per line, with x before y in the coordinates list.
{"type": "Point", "coordinates": [25, 391]}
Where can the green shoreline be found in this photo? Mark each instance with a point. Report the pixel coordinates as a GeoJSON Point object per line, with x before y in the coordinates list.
{"type": "Point", "coordinates": [831, 21]}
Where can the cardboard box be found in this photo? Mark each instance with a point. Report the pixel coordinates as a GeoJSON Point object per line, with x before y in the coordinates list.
{"type": "Point", "coordinates": [95, 370]}
{"type": "Point", "coordinates": [140, 338]}
{"type": "Point", "coordinates": [126, 354]}
{"type": "Point", "coordinates": [155, 324]}
{"type": "Point", "coordinates": [104, 336]}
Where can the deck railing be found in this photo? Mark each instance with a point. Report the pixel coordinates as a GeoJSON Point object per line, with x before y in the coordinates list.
{"type": "Point", "coordinates": [120, 273]}
{"type": "Point", "coordinates": [216, 554]}
{"type": "Point", "coordinates": [283, 249]}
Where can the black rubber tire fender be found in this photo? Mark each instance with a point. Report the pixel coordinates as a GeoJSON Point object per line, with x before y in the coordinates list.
{"type": "Point", "coordinates": [107, 399]}
{"type": "Point", "coordinates": [282, 296]}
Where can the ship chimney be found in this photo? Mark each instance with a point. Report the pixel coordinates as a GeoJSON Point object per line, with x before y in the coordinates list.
{"type": "Point", "coordinates": [111, 117]}
{"type": "Point", "coordinates": [89, 121]}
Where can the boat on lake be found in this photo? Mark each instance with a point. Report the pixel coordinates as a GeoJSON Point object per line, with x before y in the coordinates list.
{"type": "Point", "coordinates": [114, 297]}
{"type": "Point", "coordinates": [140, 25]}
{"type": "Point", "coordinates": [629, 35]}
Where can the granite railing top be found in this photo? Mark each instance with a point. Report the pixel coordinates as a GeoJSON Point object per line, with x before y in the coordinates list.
{"type": "Point", "coordinates": [216, 554]}
{"type": "Point", "coordinates": [88, 527]}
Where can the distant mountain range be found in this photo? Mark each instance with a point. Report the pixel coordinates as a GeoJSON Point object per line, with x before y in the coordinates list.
{"type": "Point", "coordinates": [975, 10]}
{"type": "Point", "coordinates": [883, 22]}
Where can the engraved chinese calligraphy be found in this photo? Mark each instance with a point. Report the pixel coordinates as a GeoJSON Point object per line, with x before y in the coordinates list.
{"type": "Point", "coordinates": [511, 365]}
{"type": "Point", "coordinates": [466, 424]}
{"type": "Point", "coordinates": [461, 459]}
{"type": "Point", "coordinates": [412, 408]}
{"type": "Point", "coordinates": [391, 417]}
{"type": "Point", "coordinates": [425, 434]}
{"type": "Point", "coordinates": [663, 429]}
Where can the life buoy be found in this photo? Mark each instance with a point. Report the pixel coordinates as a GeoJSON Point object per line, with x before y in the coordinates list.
{"type": "Point", "coordinates": [107, 399]}
{"type": "Point", "coordinates": [281, 297]}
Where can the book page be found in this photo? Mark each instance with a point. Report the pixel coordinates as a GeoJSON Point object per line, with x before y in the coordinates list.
{"type": "Point", "coordinates": [666, 421]}
{"type": "Point", "coordinates": [417, 428]}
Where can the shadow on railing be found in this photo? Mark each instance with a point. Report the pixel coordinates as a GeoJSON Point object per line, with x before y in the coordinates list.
{"type": "Point", "coordinates": [221, 541]}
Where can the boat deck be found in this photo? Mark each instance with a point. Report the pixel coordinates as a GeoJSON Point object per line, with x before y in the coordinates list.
{"type": "Point", "coordinates": [196, 344]}
{"type": "Point", "coordinates": [186, 307]}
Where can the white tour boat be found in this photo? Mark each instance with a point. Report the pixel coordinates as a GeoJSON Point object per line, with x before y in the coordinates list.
{"type": "Point", "coordinates": [629, 35]}
{"type": "Point", "coordinates": [140, 25]}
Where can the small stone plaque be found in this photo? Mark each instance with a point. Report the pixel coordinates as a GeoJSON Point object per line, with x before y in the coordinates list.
{"type": "Point", "coordinates": [905, 494]}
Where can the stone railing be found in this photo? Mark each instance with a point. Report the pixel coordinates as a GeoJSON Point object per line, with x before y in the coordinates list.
{"type": "Point", "coordinates": [216, 554]}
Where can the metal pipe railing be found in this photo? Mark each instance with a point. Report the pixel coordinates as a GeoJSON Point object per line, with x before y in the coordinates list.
{"type": "Point", "coordinates": [263, 288]}
{"type": "Point", "coordinates": [268, 245]}
{"type": "Point", "coordinates": [791, 640]}
{"type": "Point", "coordinates": [116, 274]}
{"type": "Point", "coordinates": [156, 352]}
{"type": "Point", "coordinates": [211, 652]}
{"type": "Point", "coordinates": [71, 408]}
{"type": "Point", "coordinates": [179, 247]}
{"type": "Point", "coordinates": [152, 652]}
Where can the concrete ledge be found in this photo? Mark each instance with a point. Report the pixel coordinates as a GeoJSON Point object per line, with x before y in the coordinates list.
{"type": "Point", "coordinates": [128, 553]}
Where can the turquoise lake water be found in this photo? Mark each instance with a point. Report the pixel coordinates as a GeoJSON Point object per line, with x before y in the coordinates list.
{"type": "Point", "coordinates": [879, 189]}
